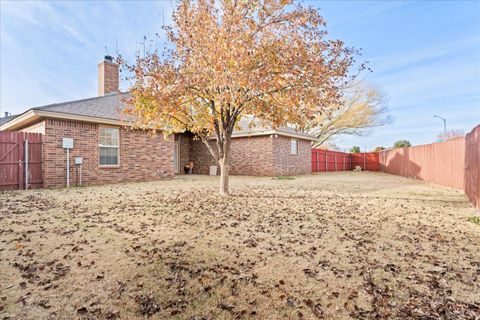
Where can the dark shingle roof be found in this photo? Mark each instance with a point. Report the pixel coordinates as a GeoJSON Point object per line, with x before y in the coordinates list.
{"type": "Point", "coordinates": [108, 106]}
{"type": "Point", "coordinates": [111, 105]}
{"type": "Point", "coordinates": [6, 119]}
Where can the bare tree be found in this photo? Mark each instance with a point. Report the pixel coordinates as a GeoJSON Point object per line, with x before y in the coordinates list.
{"type": "Point", "coordinates": [450, 134]}
{"type": "Point", "coordinates": [361, 109]}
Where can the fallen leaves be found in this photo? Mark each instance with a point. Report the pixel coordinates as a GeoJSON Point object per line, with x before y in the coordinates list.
{"type": "Point", "coordinates": [266, 251]}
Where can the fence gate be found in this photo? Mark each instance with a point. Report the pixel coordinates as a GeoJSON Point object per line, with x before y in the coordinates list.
{"type": "Point", "coordinates": [20, 160]}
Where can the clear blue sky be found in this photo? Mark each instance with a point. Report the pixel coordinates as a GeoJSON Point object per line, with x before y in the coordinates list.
{"type": "Point", "coordinates": [425, 55]}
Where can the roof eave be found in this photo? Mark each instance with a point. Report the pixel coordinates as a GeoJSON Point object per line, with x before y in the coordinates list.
{"type": "Point", "coordinates": [19, 122]}
{"type": "Point", "coordinates": [270, 132]}
{"type": "Point", "coordinates": [34, 115]}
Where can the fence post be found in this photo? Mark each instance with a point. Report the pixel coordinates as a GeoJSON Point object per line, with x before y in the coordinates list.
{"type": "Point", "coordinates": [364, 162]}
{"type": "Point", "coordinates": [326, 162]}
{"type": "Point", "coordinates": [26, 164]}
{"type": "Point", "coordinates": [335, 162]}
{"type": "Point", "coordinates": [19, 138]}
{"type": "Point", "coordinates": [317, 161]}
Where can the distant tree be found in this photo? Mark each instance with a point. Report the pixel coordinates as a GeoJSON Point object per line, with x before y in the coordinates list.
{"type": "Point", "coordinates": [450, 134]}
{"type": "Point", "coordinates": [402, 144]}
{"type": "Point", "coordinates": [355, 149]}
{"type": "Point", "coordinates": [271, 60]}
{"type": "Point", "coordinates": [378, 149]}
{"type": "Point", "coordinates": [361, 109]}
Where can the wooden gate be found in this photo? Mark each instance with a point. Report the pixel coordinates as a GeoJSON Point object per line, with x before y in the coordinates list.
{"type": "Point", "coordinates": [20, 160]}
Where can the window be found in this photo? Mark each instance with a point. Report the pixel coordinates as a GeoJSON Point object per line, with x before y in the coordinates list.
{"type": "Point", "coordinates": [108, 144]}
{"type": "Point", "coordinates": [293, 146]}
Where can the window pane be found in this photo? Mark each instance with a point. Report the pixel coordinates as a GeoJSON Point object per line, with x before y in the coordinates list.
{"type": "Point", "coordinates": [293, 146]}
{"type": "Point", "coordinates": [108, 156]}
{"type": "Point", "coordinates": [109, 137]}
{"type": "Point", "coordinates": [108, 140]}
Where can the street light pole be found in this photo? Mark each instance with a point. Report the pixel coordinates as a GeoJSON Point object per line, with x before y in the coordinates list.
{"type": "Point", "coordinates": [444, 126]}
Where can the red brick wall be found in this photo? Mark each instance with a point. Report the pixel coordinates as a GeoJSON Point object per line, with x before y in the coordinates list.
{"type": "Point", "coordinates": [142, 156]}
{"type": "Point", "coordinates": [249, 156]}
{"type": "Point", "coordinates": [287, 164]}
{"type": "Point", "coordinates": [107, 78]}
{"type": "Point", "coordinates": [257, 156]}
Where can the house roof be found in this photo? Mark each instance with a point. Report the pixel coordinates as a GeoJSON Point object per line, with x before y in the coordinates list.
{"type": "Point", "coordinates": [108, 106]}
{"type": "Point", "coordinates": [107, 110]}
{"type": "Point", "coordinates": [6, 119]}
{"type": "Point", "coordinates": [250, 126]}
{"type": "Point", "coordinates": [104, 109]}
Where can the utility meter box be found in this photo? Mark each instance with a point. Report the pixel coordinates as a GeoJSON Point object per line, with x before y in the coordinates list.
{"type": "Point", "coordinates": [213, 170]}
{"type": "Point", "coordinates": [67, 143]}
{"type": "Point", "coordinates": [78, 160]}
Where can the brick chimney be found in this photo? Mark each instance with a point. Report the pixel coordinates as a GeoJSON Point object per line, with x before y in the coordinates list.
{"type": "Point", "coordinates": [107, 76]}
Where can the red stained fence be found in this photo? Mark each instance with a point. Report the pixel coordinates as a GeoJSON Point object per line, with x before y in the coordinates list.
{"type": "Point", "coordinates": [15, 171]}
{"type": "Point", "coordinates": [328, 161]}
{"type": "Point", "coordinates": [454, 163]}
{"type": "Point", "coordinates": [368, 161]}
{"type": "Point", "coordinates": [441, 163]}
{"type": "Point", "coordinates": [472, 166]}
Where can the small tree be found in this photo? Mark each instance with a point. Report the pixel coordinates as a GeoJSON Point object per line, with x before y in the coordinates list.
{"type": "Point", "coordinates": [402, 144]}
{"type": "Point", "coordinates": [355, 149]}
{"type": "Point", "coordinates": [378, 149]}
{"type": "Point", "coordinates": [450, 134]}
{"type": "Point", "coordinates": [266, 59]}
{"type": "Point", "coordinates": [361, 109]}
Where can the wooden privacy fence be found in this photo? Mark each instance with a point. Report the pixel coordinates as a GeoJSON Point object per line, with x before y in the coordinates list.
{"type": "Point", "coordinates": [454, 163]}
{"type": "Point", "coordinates": [441, 163]}
{"type": "Point", "coordinates": [328, 161]}
{"type": "Point", "coordinates": [472, 166]}
{"type": "Point", "coordinates": [20, 160]}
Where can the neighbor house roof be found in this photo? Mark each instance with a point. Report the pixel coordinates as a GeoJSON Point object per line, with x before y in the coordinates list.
{"type": "Point", "coordinates": [107, 110]}
{"type": "Point", "coordinates": [6, 119]}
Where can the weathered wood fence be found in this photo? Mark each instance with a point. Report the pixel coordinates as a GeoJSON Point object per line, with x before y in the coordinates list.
{"type": "Point", "coordinates": [20, 160]}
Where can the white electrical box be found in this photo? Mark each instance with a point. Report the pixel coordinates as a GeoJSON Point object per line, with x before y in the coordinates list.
{"type": "Point", "coordinates": [67, 143]}
{"type": "Point", "coordinates": [78, 160]}
{"type": "Point", "coordinates": [213, 170]}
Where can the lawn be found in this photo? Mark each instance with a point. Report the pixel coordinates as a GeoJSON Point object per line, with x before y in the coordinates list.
{"type": "Point", "coordinates": [337, 245]}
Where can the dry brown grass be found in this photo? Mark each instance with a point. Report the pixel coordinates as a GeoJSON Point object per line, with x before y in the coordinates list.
{"type": "Point", "coordinates": [346, 245]}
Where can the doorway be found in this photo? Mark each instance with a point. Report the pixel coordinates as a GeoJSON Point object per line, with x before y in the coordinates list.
{"type": "Point", "coordinates": [176, 155]}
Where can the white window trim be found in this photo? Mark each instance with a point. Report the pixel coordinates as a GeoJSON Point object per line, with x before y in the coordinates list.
{"type": "Point", "coordinates": [99, 145]}
{"type": "Point", "coordinates": [296, 146]}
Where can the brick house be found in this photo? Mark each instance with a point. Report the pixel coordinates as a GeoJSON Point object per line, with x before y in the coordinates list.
{"type": "Point", "coordinates": [112, 151]}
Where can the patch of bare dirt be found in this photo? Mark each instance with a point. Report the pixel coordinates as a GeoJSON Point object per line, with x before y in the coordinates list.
{"type": "Point", "coordinates": [346, 245]}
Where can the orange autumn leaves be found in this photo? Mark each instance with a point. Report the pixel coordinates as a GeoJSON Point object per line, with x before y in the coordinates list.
{"type": "Point", "coordinates": [267, 59]}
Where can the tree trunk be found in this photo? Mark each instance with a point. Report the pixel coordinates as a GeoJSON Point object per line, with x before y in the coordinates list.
{"type": "Point", "coordinates": [222, 156]}
{"type": "Point", "coordinates": [224, 162]}
{"type": "Point", "coordinates": [224, 176]}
